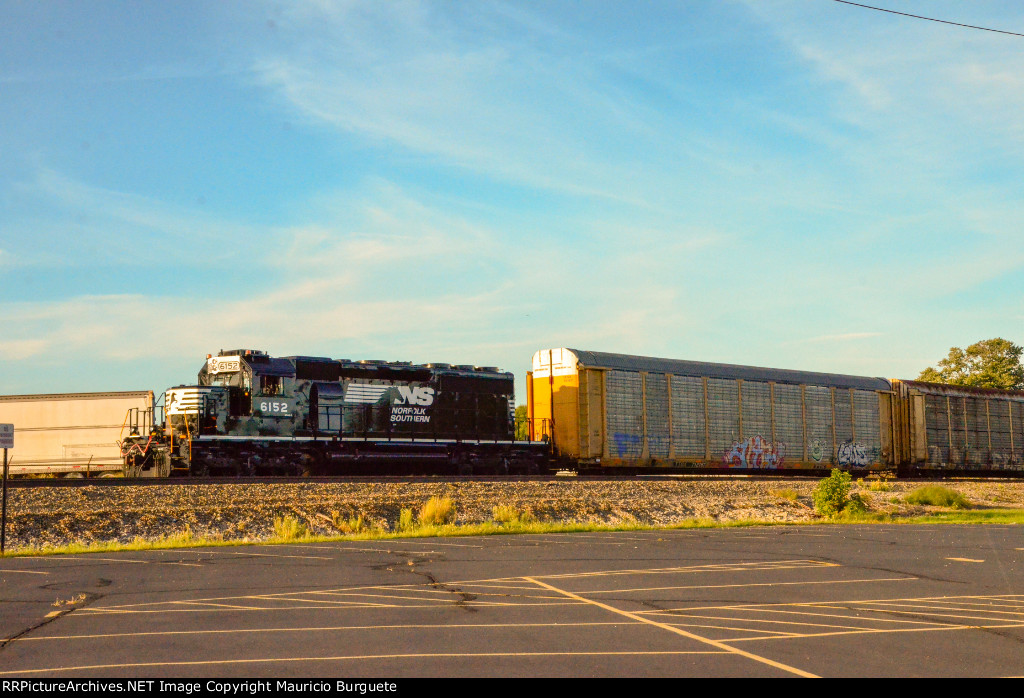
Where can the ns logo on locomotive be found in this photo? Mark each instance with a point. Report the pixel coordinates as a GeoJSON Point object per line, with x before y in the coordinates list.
{"type": "Point", "coordinates": [250, 413]}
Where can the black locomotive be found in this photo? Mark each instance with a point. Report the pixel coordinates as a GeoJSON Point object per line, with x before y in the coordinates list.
{"type": "Point", "coordinates": [252, 414]}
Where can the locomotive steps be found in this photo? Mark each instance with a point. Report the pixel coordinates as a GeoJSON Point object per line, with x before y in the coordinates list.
{"type": "Point", "coordinates": [233, 512]}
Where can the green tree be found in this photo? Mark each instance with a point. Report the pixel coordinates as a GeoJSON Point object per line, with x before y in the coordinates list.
{"type": "Point", "coordinates": [991, 363]}
{"type": "Point", "coordinates": [522, 430]}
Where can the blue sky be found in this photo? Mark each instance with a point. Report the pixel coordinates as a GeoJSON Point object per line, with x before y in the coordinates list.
{"type": "Point", "coordinates": [790, 183]}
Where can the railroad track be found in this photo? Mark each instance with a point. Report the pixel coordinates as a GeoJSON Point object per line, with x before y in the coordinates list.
{"type": "Point", "coordinates": [562, 476]}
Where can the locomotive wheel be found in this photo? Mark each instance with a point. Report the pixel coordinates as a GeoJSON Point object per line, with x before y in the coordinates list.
{"type": "Point", "coordinates": [200, 467]}
{"type": "Point", "coordinates": [310, 463]}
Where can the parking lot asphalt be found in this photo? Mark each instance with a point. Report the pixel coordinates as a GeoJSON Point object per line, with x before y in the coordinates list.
{"type": "Point", "coordinates": [864, 600]}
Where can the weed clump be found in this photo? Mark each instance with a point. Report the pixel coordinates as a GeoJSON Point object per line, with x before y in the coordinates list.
{"type": "Point", "coordinates": [507, 514]}
{"type": "Point", "coordinates": [785, 494]}
{"type": "Point", "coordinates": [289, 528]}
{"type": "Point", "coordinates": [832, 496]}
{"type": "Point", "coordinates": [937, 496]}
{"type": "Point", "coordinates": [881, 483]}
{"type": "Point", "coordinates": [438, 511]}
{"type": "Point", "coordinates": [405, 520]}
{"type": "Point", "coordinates": [352, 524]}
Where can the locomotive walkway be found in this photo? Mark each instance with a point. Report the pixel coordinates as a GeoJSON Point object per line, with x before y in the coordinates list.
{"type": "Point", "coordinates": [871, 600]}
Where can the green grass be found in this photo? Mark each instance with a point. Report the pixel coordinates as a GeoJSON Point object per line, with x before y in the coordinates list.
{"type": "Point", "coordinates": [292, 531]}
{"type": "Point", "coordinates": [937, 496]}
{"type": "Point", "coordinates": [973, 516]}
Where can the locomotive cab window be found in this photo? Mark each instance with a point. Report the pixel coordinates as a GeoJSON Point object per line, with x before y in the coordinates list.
{"type": "Point", "coordinates": [270, 385]}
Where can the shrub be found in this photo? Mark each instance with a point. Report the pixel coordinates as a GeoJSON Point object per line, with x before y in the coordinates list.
{"type": "Point", "coordinates": [937, 496]}
{"type": "Point", "coordinates": [832, 494]}
{"type": "Point", "coordinates": [437, 512]}
{"type": "Point", "coordinates": [289, 528]}
{"type": "Point", "coordinates": [855, 506]}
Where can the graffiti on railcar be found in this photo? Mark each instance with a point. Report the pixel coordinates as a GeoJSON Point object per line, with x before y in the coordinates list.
{"type": "Point", "coordinates": [853, 453]}
{"type": "Point", "coordinates": [755, 452]}
{"type": "Point", "coordinates": [816, 450]}
{"type": "Point", "coordinates": [628, 445]}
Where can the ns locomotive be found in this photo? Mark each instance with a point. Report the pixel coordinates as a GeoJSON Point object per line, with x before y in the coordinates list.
{"type": "Point", "coordinates": [253, 414]}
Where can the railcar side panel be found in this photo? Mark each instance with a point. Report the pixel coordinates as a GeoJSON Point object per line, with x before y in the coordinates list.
{"type": "Point", "coordinates": [689, 419]}
{"type": "Point", "coordinates": [688, 425]}
{"type": "Point", "coordinates": [962, 429]}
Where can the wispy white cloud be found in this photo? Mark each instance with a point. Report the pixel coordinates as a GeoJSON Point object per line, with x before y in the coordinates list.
{"type": "Point", "coordinates": [459, 87]}
{"type": "Point", "coordinates": [917, 82]}
{"type": "Point", "coordinates": [65, 222]}
{"type": "Point", "coordinates": [19, 349]}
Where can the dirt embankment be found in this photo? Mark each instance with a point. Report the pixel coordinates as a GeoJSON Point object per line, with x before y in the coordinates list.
{"type": "Point", "coordinates": [59, 516]}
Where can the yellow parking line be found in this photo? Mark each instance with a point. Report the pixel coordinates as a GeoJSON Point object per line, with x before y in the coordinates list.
{"type": "Point", "coordinates": [708, 626]}
{"type": "Point", "coordinates": [362, 604]}
{"type": "Point", "coordinates": [820, 615]}
{"type": "Point", "coordinates": [677, 631]}
{"type": "Point", "coordinates": [965, 607]}
{"type": "Point", "coordinates": [124, 560]}
{"type": "Point", "coordinates": [916, 611]}
{"type": "Point", "coordinates": [1019, 605]}
{"type": "Point", "coordinates": [842, 604]}
{"type": "Point", "coordinates": [963, 559]}
{"type": "Point", "coordinates": [725, 567]}
{"type": "Point", "coordinates": [357, 657]}
{"type": "Point", "coordinates": [879, 630]}
{"type": "Point", "coordinates": [321, 629]}
{"type": "Point", "coordinates": [766, 621]}
{"type": "Point", "coordinates": [91, 611]}
{"type": "Point", "coordinates": [296, 557]}
{"type": "Point", "coordinates": [752, 584]}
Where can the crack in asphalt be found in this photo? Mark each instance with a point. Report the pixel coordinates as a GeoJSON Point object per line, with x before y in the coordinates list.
{"type": "Point", "coordinates": [90, 598]}
{"type": "Point", "coordinates": [464, 597]}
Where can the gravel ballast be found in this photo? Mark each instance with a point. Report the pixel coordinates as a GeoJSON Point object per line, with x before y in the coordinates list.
{"type": "Point", "coordinates": [61, 516]}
